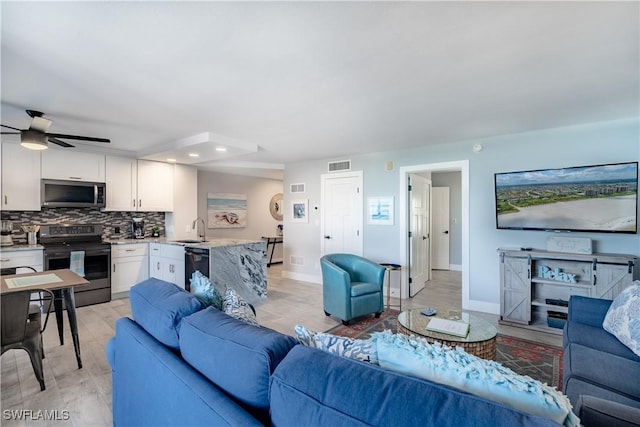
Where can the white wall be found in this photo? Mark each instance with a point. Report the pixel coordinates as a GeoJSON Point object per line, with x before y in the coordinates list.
{"type": "Point", "coordinates": [596, 143]}
{"type": "Point", "coordinates": [259, 192]}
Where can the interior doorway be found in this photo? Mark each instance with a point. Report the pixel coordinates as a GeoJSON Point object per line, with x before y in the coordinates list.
{"type": "Point", "coordinates": [420, 232]}
{"type": "Point", "coordinates": [462, 167]}
{"type": "Point", "coordinates": [342, 213]}
{"type": "Point", "coordinates": [441, 235]}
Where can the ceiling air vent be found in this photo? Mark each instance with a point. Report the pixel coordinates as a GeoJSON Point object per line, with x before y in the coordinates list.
{"type": "Point", "coordinates": [297, 188]}
{"type": "Point", "coordinates": [339, 166]}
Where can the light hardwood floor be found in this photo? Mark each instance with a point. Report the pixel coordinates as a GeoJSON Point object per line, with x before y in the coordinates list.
{"type": "Point", "coordinates": [86, 393]}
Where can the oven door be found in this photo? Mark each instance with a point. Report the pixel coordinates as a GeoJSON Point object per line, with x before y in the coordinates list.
{"type": "Point", "coordinates": [97, 271]}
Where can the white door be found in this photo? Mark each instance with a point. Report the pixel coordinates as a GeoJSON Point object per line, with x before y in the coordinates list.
{"type": "Point", "coordinates": [440, 228]}
{"type": "Point", "coordinates": [342, 213]}
{"type": "Point", "coordinates": [420, 239]}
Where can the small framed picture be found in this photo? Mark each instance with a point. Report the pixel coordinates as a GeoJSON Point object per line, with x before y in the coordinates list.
{"type": "Point", "coordinates": [300, 210]}
{"type": "Point", "coordinates": [380, 210]}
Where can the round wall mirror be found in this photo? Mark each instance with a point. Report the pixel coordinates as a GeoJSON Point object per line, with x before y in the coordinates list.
{"type": "Point", "coordinates": [275, 207]}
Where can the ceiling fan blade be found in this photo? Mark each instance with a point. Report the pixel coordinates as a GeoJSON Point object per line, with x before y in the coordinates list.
{"type": "Point", "coordinates": [60, 143]}
{"type": "Point", "coordinates": [11, 127]}
{"type": "Point", "coordinates": [78, 137]}
{"type": "Point", "coordinates": [40, 124]}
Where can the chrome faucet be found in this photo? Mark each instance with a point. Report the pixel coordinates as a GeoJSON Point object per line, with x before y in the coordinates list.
{"type": "Point", "coordinates": [204, 228]}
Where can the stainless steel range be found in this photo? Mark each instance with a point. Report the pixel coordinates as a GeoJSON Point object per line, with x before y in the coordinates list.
{"type": "Point", "coordinates": [82, 244]}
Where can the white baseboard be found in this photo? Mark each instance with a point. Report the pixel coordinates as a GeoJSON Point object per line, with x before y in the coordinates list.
{"type": "Point", "coordinates": [483, 306]}
{"type": "Point", "coordinates": [302, 277]}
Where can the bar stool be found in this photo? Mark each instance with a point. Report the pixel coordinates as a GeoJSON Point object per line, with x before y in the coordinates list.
{"type": "Point", "coordinates": [393, 267]}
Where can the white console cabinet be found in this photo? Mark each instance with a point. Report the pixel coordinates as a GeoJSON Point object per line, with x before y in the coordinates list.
{"type": "Point", "coordinates": [534, 283]}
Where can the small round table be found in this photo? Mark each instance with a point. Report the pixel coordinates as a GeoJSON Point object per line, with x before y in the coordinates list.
{"type": "Point", "coordinates": [393, 267]}
{"type": "Point", "coordinates": [481, 340]}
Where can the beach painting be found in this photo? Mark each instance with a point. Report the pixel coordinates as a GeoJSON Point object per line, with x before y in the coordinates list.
{"type": "Point", "coordinates": [380, 210]}
{"type": "Point", "coordinates": [226, 210]}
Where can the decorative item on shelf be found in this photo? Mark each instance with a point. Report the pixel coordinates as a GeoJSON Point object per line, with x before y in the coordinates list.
{"type": "Point", "coordinates": [556, 274]}
{"type": "Point", "coordinates": [155, 231]}
{"type": "Point", "coordinates": [279, 229]}
{"type": "Point", "coordinates": [576, 245]}
{"type": "Point", "coordinates": [555, 319]}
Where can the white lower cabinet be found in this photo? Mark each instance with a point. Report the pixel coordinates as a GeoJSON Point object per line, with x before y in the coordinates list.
{"type": "Point", "coordinates": [21, 258]}
{"type": "Point", "coordinates": [129, 265]}
{"type": "Point", "coordinates": [166, 262]}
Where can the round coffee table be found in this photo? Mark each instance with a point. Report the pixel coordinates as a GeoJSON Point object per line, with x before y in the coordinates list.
{"type": "Point", "coordinates": [481, 340]}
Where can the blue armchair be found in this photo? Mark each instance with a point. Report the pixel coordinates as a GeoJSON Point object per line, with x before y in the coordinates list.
{"type": "Point", "coordinates": [352, 286]}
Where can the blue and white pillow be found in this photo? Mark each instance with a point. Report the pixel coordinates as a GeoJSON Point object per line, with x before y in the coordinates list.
{"type": "Point", "coordinates": [235, 306]}
{"type": "Point", "coordinates": [362, 350]}
{"type": "Point", "coordinates": [203, 289]}
{"type": "Point", "coordinates": [623, 318]}
{"type": "Point", "coordinates": [485, 378]}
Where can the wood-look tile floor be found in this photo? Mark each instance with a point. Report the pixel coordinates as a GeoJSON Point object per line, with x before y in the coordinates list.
{"type": "Point", "coordinates": [82, 397]}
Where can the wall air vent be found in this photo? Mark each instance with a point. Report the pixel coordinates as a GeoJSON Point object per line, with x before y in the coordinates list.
{"type": "Point", "coordinates": [340, 166]}
{"type": "Point", "coordinates": [297, 188]}
{"type": "Point", "coordinates": [296, 260]}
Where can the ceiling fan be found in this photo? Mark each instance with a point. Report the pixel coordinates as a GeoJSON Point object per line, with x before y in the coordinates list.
{"type": "Point", "coordinates": [37, 137]}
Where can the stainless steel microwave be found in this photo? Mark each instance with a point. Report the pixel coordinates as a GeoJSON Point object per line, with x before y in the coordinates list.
{"type": "Point", "coordinates": [72, 194]}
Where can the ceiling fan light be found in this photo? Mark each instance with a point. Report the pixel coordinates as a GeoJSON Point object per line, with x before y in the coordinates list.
{"type": "Point", "coordinates": [33, 140]}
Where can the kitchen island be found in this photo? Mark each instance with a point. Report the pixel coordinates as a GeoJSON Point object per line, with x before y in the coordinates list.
{"type": "Point", "coordinates": [238, 264]}
{"type": "Point", "coordinates": [235, 263]}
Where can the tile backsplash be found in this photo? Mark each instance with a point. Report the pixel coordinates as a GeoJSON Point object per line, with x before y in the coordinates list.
{"type": "Point", "coordinates": [109, 220]}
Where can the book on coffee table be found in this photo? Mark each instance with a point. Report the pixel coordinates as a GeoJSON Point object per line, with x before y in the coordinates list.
{"type": "Point", "coordinates": [450, 327]}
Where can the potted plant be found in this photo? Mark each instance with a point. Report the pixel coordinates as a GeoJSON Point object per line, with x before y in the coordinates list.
{"type": "Point", "coordinates": [155, 231]}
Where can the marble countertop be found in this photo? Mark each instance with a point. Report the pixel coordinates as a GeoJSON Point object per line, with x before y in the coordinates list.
{"type": "Point", "coordinates": [209, 243]}
{"type": "Point", "coordinates": [21, 247]}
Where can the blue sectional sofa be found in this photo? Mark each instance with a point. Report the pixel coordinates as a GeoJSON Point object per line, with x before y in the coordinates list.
{"type": "Point", "coordinates": [601, 376]}
{"type": "Point", "coordinates": [179, 364]}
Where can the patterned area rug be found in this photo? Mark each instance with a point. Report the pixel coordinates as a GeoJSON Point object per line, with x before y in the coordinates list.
{"type": "Point", "coordinates": [539, 361]}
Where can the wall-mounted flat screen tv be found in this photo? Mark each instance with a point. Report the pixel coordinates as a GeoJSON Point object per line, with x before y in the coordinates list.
{"type": "Point", "coordinates": [598, 198]}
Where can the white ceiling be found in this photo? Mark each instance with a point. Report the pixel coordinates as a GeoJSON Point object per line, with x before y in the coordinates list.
{"type": "Point", "coordinates": [296, 81]}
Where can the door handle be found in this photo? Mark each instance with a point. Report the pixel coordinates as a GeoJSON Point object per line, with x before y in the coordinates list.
{"type": "Point", "coordinates": [327, 237]}
{"type": "Point", "coordinates": [446, 232]}
{"type": "Point", "coordinates": [424, 237]}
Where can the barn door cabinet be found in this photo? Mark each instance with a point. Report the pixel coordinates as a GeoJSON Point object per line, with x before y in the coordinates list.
{"type": "Point", "coordinates": [536, 282]}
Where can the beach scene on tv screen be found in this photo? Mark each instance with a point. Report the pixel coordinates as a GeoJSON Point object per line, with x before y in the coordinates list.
{"type": "Point", "coordinates": [593, 198]}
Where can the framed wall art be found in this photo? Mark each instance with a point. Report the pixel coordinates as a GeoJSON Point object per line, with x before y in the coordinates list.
{"type": "Point", "coordinates": [300, 210]}
{"type": "Point", "coordinates": [226, 210]}
{"type": "Point", "coordinates": [380, 210]}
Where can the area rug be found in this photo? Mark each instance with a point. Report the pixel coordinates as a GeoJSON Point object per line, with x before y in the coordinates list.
{"type": "Point", "coordinates": [539, 361]}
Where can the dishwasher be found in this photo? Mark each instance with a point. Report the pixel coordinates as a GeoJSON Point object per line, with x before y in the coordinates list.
{"type": "Point", "coordinates": [195, 259]}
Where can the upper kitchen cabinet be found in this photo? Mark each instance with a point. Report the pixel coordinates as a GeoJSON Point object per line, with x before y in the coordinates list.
{"type": "Point", "coordinates": [155, 186]}
{"type": "Point", "coordinates": [20, 178]}
{"type": "Point", "coordinates": [68, 164]}
{"type": "Point", "coordinates": [121, 174]}
{"type": "Point", "coordinates": [139, 185]}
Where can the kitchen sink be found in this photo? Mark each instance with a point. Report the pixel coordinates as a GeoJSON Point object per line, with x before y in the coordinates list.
{"type": "Point", "coordinates": [188, 241]}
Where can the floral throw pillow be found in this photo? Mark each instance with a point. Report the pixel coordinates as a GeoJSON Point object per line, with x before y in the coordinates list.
{"type": "Point", "coordinates": [623, 318]}
{"type": "Point", "coordinates": [235, 306]}
{"type": "Point", "coordinates": [362, 350]}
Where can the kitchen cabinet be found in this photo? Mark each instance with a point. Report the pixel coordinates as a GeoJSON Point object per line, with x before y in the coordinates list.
{"type": "Point", "coordinates": [20, 178]}
{"type": "Point", "coordinates": [66, 164]}
{"type": "Point", "coordinates": [537, 284]}
{"type": "Point", "coordinates": [21, 258]}
{"type": "Point", "coordinates": [166, 262]}
{"type": "Point", "coordinates": [138, 185]}
{"type": "Point", "coordinates": [129, 265]}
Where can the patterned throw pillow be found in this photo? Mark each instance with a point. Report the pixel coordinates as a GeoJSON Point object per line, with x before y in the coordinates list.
{"type": "Point", "coordinates": [362, 350]}
{"type": "Point", "coordinates": [202, 288]}
{"type": "Point", "coordinates": [490, 380]}
{"type": "Point", "coordinates": [235, 306]}
{"type": "Point", "coordinates": [623, 318]}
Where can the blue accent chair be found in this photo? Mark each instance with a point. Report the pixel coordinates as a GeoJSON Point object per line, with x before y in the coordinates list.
{"type": "Point", "coordinates": [352, 286]}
